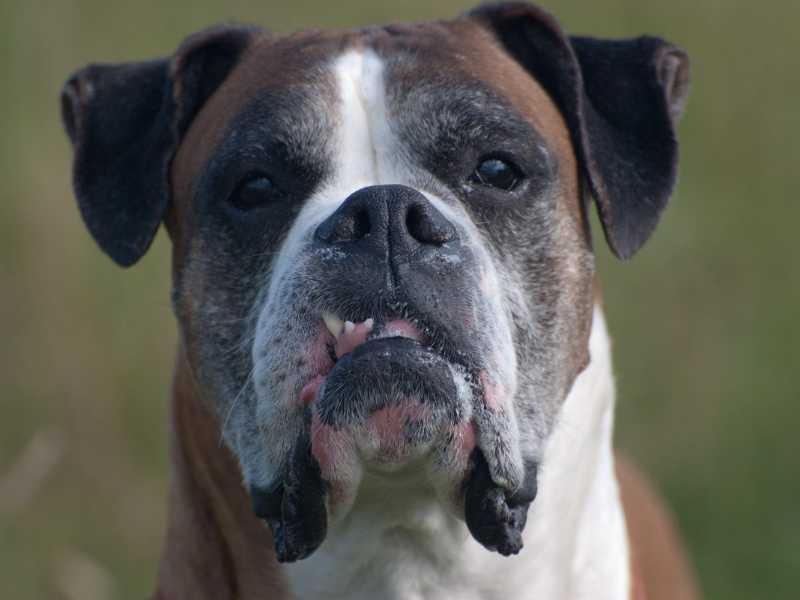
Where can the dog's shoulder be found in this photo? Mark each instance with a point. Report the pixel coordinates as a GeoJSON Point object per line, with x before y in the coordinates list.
{"type": "Point", "coordinates": [660, 568]}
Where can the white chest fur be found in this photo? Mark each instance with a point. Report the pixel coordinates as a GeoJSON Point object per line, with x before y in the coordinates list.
{"type": "Point", "coordinates": [397, 543]}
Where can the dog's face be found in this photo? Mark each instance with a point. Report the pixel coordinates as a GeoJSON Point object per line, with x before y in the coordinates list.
{"type": "Point", "coordinates": [387, 258]}
{"type": "Point", "coordinates": [382, 259]}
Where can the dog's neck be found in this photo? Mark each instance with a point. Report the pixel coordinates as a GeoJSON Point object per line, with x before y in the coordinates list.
{"type": "Point", "coordinates": [397, 542]}
{"type": "Point", "coordinates": [215, 548]}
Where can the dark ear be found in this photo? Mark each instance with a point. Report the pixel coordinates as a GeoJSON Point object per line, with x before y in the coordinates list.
{"type": "Point", "coordinates": [125, 122]}
{"type": "Point", "coordinates": [620, 100]}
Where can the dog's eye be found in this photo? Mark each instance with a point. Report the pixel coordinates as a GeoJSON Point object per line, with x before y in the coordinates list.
{"type": "Point", "coordinates": [254, 192]}
{"type": "Point", "coordinates": [496, 173]}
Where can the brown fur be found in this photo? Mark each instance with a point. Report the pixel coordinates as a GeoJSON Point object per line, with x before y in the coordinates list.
{"type": "Point", "coordinates": [215, 547]}
{"type": "Point", "coordinates": [659, 566]}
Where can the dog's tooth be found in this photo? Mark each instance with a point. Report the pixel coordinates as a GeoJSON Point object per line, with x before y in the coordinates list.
{"type": "Point", "coordinates": [334, 324]}
{"type": "Point", "coordinates": [369, 324]}
{"type": "Point", "coordinates": [349, 326]}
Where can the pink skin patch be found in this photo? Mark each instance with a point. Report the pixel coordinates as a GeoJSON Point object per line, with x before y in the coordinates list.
{"type": "Point", "coordinates": [493, 393]}
{"type": "Point", "coordinates": [464, 440]}
{"type": "Point", "coordinates": [466, 433]}
{"type": "Point", "coordinates": [331, 448]}
{"type": "Point", "coordinates": [319, 362]}
{"type": "Point", "coordinates": [388, 423]}
{"type": "Point", "coordinates": [402, 328]}
{"type": "Point", "coordinates": [309, 391]}
{"type": "Point", "coordinates": [319, 358]}
{"type": "Point", "coordinates": [354, 335]}
{"type": "Point", "coordinates": [383, 437]}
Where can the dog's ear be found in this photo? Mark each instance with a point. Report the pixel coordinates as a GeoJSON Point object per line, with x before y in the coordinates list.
{"type": "Point", "coordinates": [620, 99]}
{"type": "Point", "coordinates": [125, 122]}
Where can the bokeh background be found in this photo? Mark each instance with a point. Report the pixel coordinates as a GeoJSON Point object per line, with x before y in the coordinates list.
{"type": "Point", "coordinates": [705, 320]}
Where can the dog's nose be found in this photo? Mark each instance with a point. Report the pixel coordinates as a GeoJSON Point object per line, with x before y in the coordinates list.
{"type": "Point", "coordinates": [384, 215]}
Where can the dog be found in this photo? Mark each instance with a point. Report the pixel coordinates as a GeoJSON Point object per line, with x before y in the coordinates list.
{"type": "Point", "coordinates": [384, 281]}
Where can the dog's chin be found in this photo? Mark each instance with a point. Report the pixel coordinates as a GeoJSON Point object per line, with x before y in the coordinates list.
{"type": "Point", "coordinates": [392, 404]}
{"type": "Point", "coordinates": [387, 402]}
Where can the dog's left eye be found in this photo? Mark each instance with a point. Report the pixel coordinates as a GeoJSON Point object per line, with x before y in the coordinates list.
{"type": "Point", "coordinates": [254, 192]}
{"type": "Point", "coordinates": [496, 173]}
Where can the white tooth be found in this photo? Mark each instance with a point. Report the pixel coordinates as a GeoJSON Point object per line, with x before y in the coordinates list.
{"type": "Point", "coordinates": [334, 324]}
{"type": "Point", "coordinates": [349, 326]}
{"type": "Point", "coordinates": [369, 323]}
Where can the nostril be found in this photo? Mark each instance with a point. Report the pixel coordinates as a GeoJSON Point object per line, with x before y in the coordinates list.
{"type": "Point", "coordinates": [346, 227]}
{"type": "Point", "coordinates": [428, 226]}
{"type": "Point", "coordinates": [361, 224]}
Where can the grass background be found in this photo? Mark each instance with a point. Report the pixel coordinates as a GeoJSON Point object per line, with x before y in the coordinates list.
{"type": "Point", "coordinates": [705, 320]}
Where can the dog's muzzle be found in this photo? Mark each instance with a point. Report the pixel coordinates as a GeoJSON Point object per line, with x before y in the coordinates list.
{"type": "Point", "coordinates": [399, 376]}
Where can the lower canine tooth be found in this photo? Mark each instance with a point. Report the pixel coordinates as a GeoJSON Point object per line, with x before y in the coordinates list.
{"type": "Point", "coordinates": [334, 324]}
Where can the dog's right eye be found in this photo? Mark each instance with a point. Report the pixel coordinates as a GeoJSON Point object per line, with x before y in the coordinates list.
{"type": "Point", "coordinates": [254, 192]}
{"type": "Point", "coordinates": [496, 173]}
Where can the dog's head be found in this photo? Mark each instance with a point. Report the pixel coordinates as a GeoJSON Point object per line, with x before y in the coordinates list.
{"type": "Point", "coordinates": [382, 258]}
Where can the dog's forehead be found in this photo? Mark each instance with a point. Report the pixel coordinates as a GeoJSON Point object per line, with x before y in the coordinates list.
{"type": "Point", "coordinates": [305, 70]}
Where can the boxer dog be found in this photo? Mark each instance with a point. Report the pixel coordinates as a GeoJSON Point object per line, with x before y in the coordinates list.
{"type": "Point", "coordinates": [393, 377]}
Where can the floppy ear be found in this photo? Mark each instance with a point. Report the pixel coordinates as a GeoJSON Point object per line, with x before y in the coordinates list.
{"type": "Point", "coordinates": [620, 99]}
{"type": "Point", "coordinates": [125, 122]}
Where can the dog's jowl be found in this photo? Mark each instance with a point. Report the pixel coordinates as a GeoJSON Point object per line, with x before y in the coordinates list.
{"type": "Point", "coordinates": [384, 281]}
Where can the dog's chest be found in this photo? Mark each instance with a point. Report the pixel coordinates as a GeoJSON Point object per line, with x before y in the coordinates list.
{"type": "Point", "coordinates": [397, 546]}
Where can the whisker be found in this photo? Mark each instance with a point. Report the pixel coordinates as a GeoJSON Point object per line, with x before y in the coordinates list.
{"type": "Point", "coordinates": [248, 380]}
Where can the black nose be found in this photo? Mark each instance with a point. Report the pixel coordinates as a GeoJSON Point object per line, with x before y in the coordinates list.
{"type": "Point", "coordinates": [387, 215]}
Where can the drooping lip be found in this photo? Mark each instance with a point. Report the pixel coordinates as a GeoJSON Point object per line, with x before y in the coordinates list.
{"type": "Point", "coordinates": [479, 444]}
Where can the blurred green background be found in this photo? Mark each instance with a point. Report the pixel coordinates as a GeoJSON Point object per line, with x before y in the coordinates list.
{"type": "Point", "coordinates": [705, 320]}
